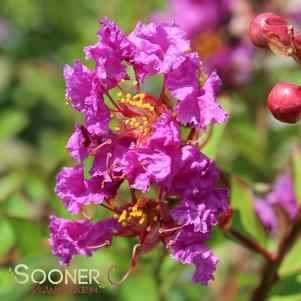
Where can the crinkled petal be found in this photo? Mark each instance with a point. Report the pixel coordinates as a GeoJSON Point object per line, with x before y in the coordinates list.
{"type": "Point", "coordinates": [201, 256]}
{"type": "Point", "coordinates": [196, 175]}
{"type": "Point", "coordinates": [202, 109]}
{"type": "Point", "coordinates": [109, 53]}
{"type": "Point", "coordinates": [71, 238]}
{"type": "Point", "coordinates": [153, 44]}
{"type": "Point", "coordinates": [75, 191]}
{"type": "Point", "coordinates": [182, 80]}
{"type": "Point", "coordinates": [158, 160]}
{"type": "Point", "coordinates": [79, 84]}
{"type": "Point", "coordinates": [79, 143]}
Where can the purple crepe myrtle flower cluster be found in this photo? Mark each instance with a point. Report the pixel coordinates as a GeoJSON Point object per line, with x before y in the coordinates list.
{"type": "Point", "coordinates": [282, 195]}
{"type": "Point", "coordinates": [207, 24]}
{"type": "Point", "coordinates": [135, 138]}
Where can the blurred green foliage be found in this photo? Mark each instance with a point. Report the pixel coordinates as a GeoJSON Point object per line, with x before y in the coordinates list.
{"type": "Point", "coordinates": [35, 125]}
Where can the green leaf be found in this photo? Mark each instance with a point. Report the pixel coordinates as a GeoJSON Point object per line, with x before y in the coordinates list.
{"type": "Point", "coordinates": [7, 236]}
{"type": "Point", "coordinates": [296, 160]}
{"type": "Point", "coordinates": [244, 217]}
{"type": "Point", "coordinates": [287, 289]}
{"type": "Point", "coordinates": [292, 261]}
{"type": "Point", "coordinates": [12, 291]}
{"type": "Point", "coordinates": [12, 122]}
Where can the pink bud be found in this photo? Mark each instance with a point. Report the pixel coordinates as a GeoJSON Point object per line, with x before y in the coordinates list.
{"type": "Point", "coordinates": [284, 101]}
{"type": "Point", "coordinates": [267, 26]}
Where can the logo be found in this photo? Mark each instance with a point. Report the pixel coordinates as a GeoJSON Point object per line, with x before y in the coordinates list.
{"type": "Point", "coordinates": [55, 281]}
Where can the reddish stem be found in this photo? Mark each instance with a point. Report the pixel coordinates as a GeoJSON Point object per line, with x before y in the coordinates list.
{"type": "Point", "coordinates": [162, 90]}
{"type": "Point", "coordinates": [252, 244]}
{"type": "Point", "coordinates": [270, 271]}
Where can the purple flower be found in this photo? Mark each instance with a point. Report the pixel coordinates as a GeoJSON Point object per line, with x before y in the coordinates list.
{"type": "Point", "coordinates": [208, 25]}
{"type": "Point", "coordinates": [156, 45]}
{"type": "Point", "coordinates": [235, 60]}
{"type": "Point", "coordinates": [71, 238]}
{"type": "Point", "coordinates": [79, 143]}
{"type": "Point", "coordinates": [136, 138]}
{"type": "Point", "coordinates": [283, 194]}
{"type": "Point", "coordinates": [75, 191]}
{"type": "Point", "coordinates": [202, 109]}
{"type": "Point", "coordinates": [194, 15]}
{"type": "Point", "coordinates": [82, 93]}
{"type": "Point", "coordinates": [266, 214]}
{"type": "Point", "coordinates": [182, 80]}
{"type": "Point", "coordinates": [196, 176]}
{"type": "Point", "coordinates": [159, 159]}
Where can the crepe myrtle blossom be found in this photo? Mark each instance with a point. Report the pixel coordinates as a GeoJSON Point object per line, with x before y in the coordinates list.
{"type": "Point", "coordinates": [207, 24]}
{"type": "Point", "coordinates": [282, 195]}
{"type": "Point", "coordinates": [134, 137]}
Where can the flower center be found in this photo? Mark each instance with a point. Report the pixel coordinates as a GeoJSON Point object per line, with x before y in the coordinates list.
{"type": "Point", "coordinates": [143, 212]}
{"type": "Point", "coordinates": [136, 113]}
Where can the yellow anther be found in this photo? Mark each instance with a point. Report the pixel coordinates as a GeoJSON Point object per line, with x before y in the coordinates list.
{"type": "Point", "coordinates": [140, 127]}
{"type": "Point", "coordinates": [149, 228]}
{"type": "Point", "coordinates": [145, 122]}
{"type": "Point", "coordinates": [122, 100]}
{"type": "Point", "coordinates": [146, 105]}
{"type": "Point", "coordinates": [122, 216]}
{"type": "Point", "coordinates": [151, 108]}
{"type": "Point", "coordinates": [115, 215]}
{"type": "Point", "coordinates": [112, 115]}
{"type": "Point", "coordinates": [117, 128]}
{"type": "Point", "coordinates": [130, 208]}
{"type": "Point", "coordinates": [131, 123]}
{"type": "Point", "coordinates": [129, 95]}
{"type": "Point", "coordinates": [155, 218]}
{"type": "Point", "coordinates": [124, 224]}
{"type": "Point", "coordinates": [144, 118]}
{"type": "Point", "coordinates": [142, 95]}
{"type": "Point", "coordinates": [141, 221]}
{"type": "Point", "coordinates": [122, 80]}
{"type": "Point", "coordinates": [119, 94]}
{"type": "Point", "coordinates": [136, 124]}
{"type": "Point", "coordinates": [133, 119]}
{"type": "Point", "coordinates": [135, 83]}
{"type": "Point", "coordinates": [127, 121]}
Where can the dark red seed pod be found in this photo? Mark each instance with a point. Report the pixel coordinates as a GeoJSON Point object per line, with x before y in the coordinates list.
{"type": "Point", "coordinates": [284, 102]}
{"type": "Point", "coordinates": [266, 26]}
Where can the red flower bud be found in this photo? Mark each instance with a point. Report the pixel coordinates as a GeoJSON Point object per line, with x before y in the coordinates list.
{"type": "Point", "coordinates": [284, 101]}
{"type": "Point", "coordinates": [266, 27]}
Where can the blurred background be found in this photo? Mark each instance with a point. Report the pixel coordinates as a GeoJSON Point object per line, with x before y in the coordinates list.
{"type": "Point", "coordinates": [36, 39]}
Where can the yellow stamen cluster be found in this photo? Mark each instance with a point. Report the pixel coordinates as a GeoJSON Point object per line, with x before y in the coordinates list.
{"type": "Point", "coordinates": [136, 100]}
{"type": "Point", "coordinates": [136, 214]}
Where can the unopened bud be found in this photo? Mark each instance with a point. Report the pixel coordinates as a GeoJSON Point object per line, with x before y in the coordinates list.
{"type": "Point", "coordinates": [284, 102]}
{"type": "Point", "coordinates": [266, 27]}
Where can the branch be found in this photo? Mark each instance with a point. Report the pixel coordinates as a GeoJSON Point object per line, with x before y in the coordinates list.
{"type": "Point", "coordinates": [251, 244]}
{"type": "Point", "coordinates": [270, 271]}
